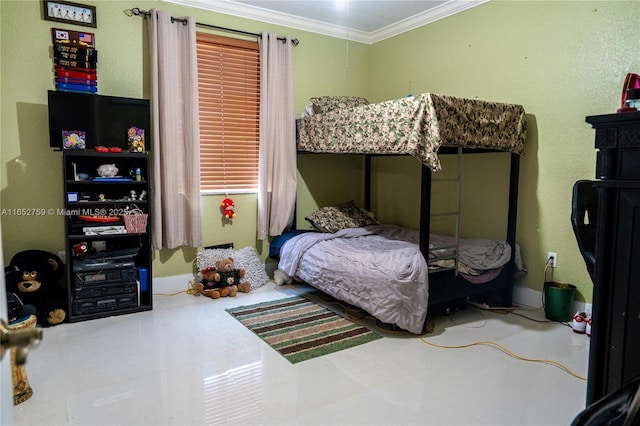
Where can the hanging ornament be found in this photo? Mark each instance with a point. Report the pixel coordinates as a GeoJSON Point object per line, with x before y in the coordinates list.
{"type": "Point", "coordinates": [228, 208]}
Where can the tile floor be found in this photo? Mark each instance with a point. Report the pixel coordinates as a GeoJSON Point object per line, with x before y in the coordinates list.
{"type": "Point", "coordinates": [189, 362]}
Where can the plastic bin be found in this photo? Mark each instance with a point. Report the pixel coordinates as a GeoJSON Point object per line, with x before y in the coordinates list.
{"type": "Point", "coordinates": [558, 299]}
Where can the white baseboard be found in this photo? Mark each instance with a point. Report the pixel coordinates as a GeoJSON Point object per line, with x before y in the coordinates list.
{"type": "Point", "coordinates": [524, 296]}
{"type": "Point", "coordinates": [172, 284]}
{"type": "Point", "coordinates": [177, 283]}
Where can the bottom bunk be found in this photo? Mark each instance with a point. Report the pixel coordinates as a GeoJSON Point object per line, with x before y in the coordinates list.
{"type": "Point", "coordinates": [381, 270]}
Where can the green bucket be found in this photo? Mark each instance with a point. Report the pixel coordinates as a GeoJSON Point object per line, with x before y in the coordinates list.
{"type": "Point", "coordinates": [558, 298]}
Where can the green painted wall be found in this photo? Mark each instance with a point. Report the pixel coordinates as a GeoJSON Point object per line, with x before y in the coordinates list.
{"type": "Point", "coordinates": [30, 173]}
{"type": "Point", "coordinates": [562, 61]}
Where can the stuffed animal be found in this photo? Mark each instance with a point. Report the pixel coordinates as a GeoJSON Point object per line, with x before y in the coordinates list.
{"type": "Point", "coordinates": [228, 207]}
{"type": "Point", "coordinates": [228, 275]}
{"type": "Point", "coordinates": [210, 287]}
{"type": "Point", "coordinates": [16, 310]}
{"type": "Point", "coordinates": [33, 276]}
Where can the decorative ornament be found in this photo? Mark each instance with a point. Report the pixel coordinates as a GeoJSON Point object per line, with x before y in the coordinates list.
{"type": "Point", "coordinates": [228, 208]}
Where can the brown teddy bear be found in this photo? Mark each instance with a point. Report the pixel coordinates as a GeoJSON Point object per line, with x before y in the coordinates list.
{"type": "Point", "coordinates": [227, 275]}
{"type": "Point", "coordinates": [209, 287]}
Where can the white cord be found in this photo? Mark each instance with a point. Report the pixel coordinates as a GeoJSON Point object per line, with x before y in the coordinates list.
{"type": "Point", "coordinates": [549, 263]}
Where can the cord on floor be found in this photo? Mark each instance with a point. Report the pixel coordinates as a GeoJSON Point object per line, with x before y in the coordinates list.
{"type": "Point", "coordinates": [506, 351]}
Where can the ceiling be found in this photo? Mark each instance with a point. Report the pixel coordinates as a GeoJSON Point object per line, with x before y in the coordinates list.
{"type": "Point", "coordinates": [366, 21]}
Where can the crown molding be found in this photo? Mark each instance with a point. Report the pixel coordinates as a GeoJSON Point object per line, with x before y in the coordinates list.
{"type": "Point", "coordinates": [427, 17]}
{"type": "Point", "coordinates": [296, 22]}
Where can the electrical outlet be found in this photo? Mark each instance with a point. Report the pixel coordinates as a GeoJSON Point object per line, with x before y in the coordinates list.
{"type": "Point", "coordinates": [554, 259]}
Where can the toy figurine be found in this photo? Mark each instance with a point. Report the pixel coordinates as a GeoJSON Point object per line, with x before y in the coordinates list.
{"type": "Point", "coordinates": [136, 139]}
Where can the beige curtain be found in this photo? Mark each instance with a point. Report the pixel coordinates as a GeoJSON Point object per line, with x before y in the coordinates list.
{"type": "Point", "coordinates": [176, 134]}
{"type": "Point", "coordinates": [277, 163]}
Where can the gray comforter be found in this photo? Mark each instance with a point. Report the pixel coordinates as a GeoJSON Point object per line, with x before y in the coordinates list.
{"type": "Point", "coordinates": [377, 268]}
{"type": "Point", "coordinates": [381, 270]}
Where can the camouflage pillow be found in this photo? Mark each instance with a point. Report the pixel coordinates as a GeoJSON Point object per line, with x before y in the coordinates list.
{"type": "Point", "coordinates": [324, 104]}
{"type": "Point", "coordinates": [334, 218]}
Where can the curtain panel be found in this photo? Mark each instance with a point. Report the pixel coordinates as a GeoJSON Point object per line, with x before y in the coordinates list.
{"type": "Point", "coordinates": [277, 172]}
{"type": "Point", "coordinates": [176, 219]}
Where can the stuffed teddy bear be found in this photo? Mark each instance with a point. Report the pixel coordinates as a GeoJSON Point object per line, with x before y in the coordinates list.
{"type": "Point", "coordinates": [228, 275]}
{"type": "Point", "coordinates": [16, 310]}
{"type": "Point", "coordinates": [210, 287]}
{"type": "Point", "coordinates": [33, 276]}
{"type": "Point", "coordinates": [228, 208]}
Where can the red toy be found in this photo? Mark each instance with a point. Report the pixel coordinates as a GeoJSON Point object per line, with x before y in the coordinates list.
{"type": "Point", "coordinates": [227, 207]}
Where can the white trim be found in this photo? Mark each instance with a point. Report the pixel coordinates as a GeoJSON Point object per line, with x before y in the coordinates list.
{"type": "Point", "coordinates": [172, 284]}
{"type": "Point", "coordinates": [264, 15]}
{"type": "Point", "coordinates": [437, 13]}
{"type": "Point", "coordinates": [524, 296]}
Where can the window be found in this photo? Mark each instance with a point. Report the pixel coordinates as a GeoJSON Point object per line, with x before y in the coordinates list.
{"type": "Point", "coordinates": [229, 100]}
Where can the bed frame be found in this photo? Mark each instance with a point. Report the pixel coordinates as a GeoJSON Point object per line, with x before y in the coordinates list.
{"type": "Point", "coordinates": [446, 288]}
{"type": "Point", "coordinates": [457, 125]}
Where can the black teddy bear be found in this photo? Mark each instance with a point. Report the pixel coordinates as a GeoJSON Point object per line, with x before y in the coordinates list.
{"type": "Point", "coordinates": [33, 275]}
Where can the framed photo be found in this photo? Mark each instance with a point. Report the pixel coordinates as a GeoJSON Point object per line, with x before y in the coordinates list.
{"type": "Point", "coordinates": [70, 13]}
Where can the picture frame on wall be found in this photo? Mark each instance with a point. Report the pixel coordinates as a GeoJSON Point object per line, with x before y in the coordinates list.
{"type": "Point", "coordinates": [70, 13]}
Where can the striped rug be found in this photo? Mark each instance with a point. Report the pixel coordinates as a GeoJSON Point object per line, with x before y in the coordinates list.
{"type": "Point", "coordinates": [300, 329]}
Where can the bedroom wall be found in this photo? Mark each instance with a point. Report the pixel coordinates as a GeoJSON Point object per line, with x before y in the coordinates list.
{"type": "Point", "coordinates": [30, 172]}
{"type": "Point", "coordinates": [562, 61]}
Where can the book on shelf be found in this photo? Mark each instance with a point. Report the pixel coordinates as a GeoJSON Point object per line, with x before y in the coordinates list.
{"type": "Point", "coordinates": [74, 57]}
{"type": "Point", "coordinates": [75, 53]}
{"type": "Point", "coordinates": [104, 230]}
{"type": "Point", "coordinates": [71, 72]}
{"type": "Point", "coordinates": [65, 80]}
{"type": "Point", "coordinates": [93, 228]}
{"type": "Point", "coordinates": [76, 64]}
{"type": "Point", "coordinates": [95, 233]}
{"type": "Point", "coordinates": [77, 87]}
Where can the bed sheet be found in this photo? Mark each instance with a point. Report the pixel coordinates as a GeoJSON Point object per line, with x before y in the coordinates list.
{"type": "Point", "coordinates": [418, 126]}
{"type": "Point", "coordinates": [377, 268]}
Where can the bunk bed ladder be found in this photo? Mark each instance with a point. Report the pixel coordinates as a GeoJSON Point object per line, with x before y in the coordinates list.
{"type": "Point", "coordinates": [455, 213]}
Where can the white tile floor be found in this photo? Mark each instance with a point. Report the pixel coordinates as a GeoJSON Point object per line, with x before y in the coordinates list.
{"type": "Point", "coordinates": [190, 362]}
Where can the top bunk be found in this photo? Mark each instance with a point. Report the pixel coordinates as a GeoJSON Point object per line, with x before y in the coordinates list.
{"type": "Point", "coordinates": [415, 125]}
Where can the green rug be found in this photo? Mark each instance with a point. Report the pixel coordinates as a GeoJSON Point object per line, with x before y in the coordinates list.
{"type": "Point", "coordinates": [300, 329]}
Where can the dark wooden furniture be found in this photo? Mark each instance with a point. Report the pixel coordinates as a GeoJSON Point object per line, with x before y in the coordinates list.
{"type": "Point", "coordinates": [614, 358]}
{"type": "Point", "coordinates": [114, 276]}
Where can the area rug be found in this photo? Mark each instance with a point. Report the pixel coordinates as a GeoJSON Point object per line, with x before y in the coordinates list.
{"type": "Point", "coordinates": [300, 329]}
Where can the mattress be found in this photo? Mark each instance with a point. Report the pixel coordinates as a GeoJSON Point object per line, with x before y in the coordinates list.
{"type": "Point", "coordinates": [418, 126]}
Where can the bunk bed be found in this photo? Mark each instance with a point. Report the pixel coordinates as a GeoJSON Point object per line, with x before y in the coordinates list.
{"type": "Point", "coordinates": [423, 126]}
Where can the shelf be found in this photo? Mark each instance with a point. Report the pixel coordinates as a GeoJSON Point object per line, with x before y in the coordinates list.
{"type": "Point", "coordinates": [80, 204]}
{"type": "Point", "coordinates": [106, 304]}
{"type": "Point", "coordinates": [78, 237]}
{"type": "Point", "coordinates": [110, 313]}
{"type": "Point", "coordinates": [93, 182]}
{"type": "Point", "coordinates": [94, 154]}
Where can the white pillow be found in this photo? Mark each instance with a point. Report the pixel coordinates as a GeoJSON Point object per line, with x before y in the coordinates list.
{"type": "Point", "coordinates": [246, 258]}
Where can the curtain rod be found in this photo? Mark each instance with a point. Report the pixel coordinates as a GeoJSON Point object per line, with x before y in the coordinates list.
{"type": "Point", "coordinates": [145, 13]}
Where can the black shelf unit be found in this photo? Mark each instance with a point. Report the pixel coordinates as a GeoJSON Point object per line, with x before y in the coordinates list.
{"type": "Point", "coordinates": [114, 276]}
{"type": "Point", "coordinates": [615, 334]}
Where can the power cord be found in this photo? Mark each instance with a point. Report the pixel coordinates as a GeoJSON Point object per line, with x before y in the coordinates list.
{"type": "Point", "coordinates": [506, 351]}
{"type": "Point", "coordinates": [353, 318]}
{"type": "Point", "coordinates": [546, 266]}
